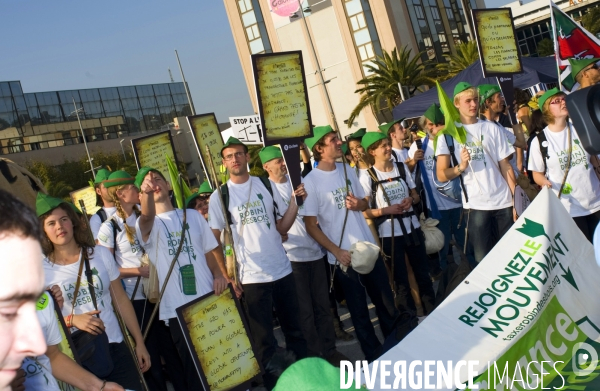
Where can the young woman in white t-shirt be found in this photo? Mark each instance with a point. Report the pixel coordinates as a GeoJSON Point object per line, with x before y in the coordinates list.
{"type": "Point", "coordinates": [65, 247]}
{"type": "Point", "coordinates": [128, 253]}
{"type": "Point", "coordinates": [580, 192]}
{"type": "Point", "coordinates": [406, 238]}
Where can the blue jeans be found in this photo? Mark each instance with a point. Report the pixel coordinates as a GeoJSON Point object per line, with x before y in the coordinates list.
{"type": "Point", "coordinates": [377, 285]}
{"type": "Point", "coordinates": [486, 227]}
{"type": "Point", "coordinates": [449, 225]}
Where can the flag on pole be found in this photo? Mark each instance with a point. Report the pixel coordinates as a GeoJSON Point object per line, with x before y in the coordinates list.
{"type": "Point", "coordinates": [571, 41]}
{"type": "Point", "coordinates": [453, 126]}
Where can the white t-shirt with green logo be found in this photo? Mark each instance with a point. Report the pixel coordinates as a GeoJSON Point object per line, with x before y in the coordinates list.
{"type": "Point", "coordinates": [581, 194]}
{"type": "Point", "coordinates": [162, 245]}
{"type": "Point", "coordinates": [95, 221]}
{"type": "Point", "coordinates": [443, 203]}
{"type": "Point", "coordinates": [38, 371]}
{"type": "Point", "coordinates": [104, 270]}
{"type": "Point", "coordinates": [126, 254]}
{"type": "Point", "coordinates": [326, 200]}
{"type": "Point", "coordinates": [484, 183]}
{"type": "Point", "coordinates": [260, 253]}
{"type": "Point", "coordinates": [396, 192]}
{"type": "Point", "coordinates": [300, 246]}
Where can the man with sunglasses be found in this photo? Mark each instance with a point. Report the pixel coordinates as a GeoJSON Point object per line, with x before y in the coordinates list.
{"type": "Point", "coordinates": [585, 71]}
{"type": "Point", "coordinates": [258, 218]}
{"type": "Point", "coordinates": [199, 200]}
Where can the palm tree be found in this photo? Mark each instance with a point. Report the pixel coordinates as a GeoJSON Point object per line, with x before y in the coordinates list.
{"type": "Point", "coordinates": [58, 189]}
{"type": "Point", "coordinates": [385, 74]}
{"type": "Point", "coordinates": [466, 54]}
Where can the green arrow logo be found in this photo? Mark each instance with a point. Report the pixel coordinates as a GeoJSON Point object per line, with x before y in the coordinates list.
{"type": "Point", "coordinates": [580, 147]}
{"type": "Point", "coordinates": [533, 230]}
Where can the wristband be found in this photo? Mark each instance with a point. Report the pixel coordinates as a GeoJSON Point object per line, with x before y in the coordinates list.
{"type": "Point", "coordinates": [69, 320]}
{"type": "Point", "coordinates": [460, 171]}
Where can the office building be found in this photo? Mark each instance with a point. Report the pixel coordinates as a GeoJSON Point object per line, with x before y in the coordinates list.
{"type": "Point", "coordinates": [347, 35]}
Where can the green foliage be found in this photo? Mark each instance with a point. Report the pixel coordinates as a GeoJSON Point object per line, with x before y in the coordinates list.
{"type": "Point", "coordinates": [387, 71]}
{"type": "Point", "coordinates": [591, 20]}
{"type": "Point", "coordinates": [255, 164]}
{"type": "Point", "coordinates": [71, 175]}
{"type": "Point", "coordinates": [466, 54]}
{"type": "Point", "coordinates": [545, 47]}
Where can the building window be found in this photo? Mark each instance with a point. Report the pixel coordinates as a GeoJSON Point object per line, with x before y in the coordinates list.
{"type": "Point", "coordinates": [364, 32]}
{"type": "Point", "coordinates": [254, 26]}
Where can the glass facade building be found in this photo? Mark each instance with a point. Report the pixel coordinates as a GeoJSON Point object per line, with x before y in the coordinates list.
{"type": "Point", "coordinates": [38, 120]}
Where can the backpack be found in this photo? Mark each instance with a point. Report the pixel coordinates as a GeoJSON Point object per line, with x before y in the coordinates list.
{"type": "Point", "coordinates": [451, 189]}
{"type": "Point", "coordinates": [541, 137]}
{"type": "Point", "coordinates": [102, 214]}
{"type": "Point", "coordinates": [225, 193]}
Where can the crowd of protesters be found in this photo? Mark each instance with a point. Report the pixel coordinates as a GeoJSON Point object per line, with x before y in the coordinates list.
{"type": "Point", "coordinates": [295, 264]}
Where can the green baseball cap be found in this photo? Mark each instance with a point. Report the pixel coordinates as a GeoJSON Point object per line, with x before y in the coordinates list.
{"type": "Point", "coordinates": [434, 114]}
{"type": "Point", "coordinates": [233, 141]}
{"type": "Point", "coordinates": [579, 65]}
{"type": "Point", "coordinates": [345, 148]}
{"type": "Point", "coordinates": [310, 374]}
{"type": "Point", "coordinates": [460, 87]}
{"type": "Point", "coordinates": [385, 128]}
{"type": "Point", "coordinates": [204, 189]}
{"type": "Point", "coordinates": [45, 203]}
{"type": "Point", "coordinates": [486, 91]}
{"type": "Point", "coordinates": [101, 176]}
{"type": "Point", "coordinates": [371, 138]}
{"type": "Point", "coordinates": [547, 95]}
{"type": "Point", "coordinates": [141, 174]}
{"type": "Point", "coordinates": [269, 153]}
{"type": "Point", "coordinates": [119, 178]}
{"type": "Point", "coordinates": [358, 134]}
{"type": "Point", "coordinates": [319, 132]}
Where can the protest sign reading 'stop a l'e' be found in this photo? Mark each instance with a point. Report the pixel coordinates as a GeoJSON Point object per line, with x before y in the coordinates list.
{"type": "Point", "coordinates": [528, 313]}
{"type": "Point", "coordinates": [247, 129]}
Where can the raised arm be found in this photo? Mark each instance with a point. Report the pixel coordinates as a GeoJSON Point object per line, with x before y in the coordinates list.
{"type": "Point", "coordinates": [148, 207]}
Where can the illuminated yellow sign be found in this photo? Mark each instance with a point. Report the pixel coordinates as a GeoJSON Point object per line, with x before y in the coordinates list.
{"type": "Point", "coordinates": [282, 97]}
{"type": "Point", "coordinates": [221, 342]}
{"type": "Point", "coordinates": [206, 132]}
{"type": "Point", "coordinates": [150, 151]}
{"type": "Point", "coordinates": [498, 48]}
{"type": "Point", "coordinates": [88, 195]}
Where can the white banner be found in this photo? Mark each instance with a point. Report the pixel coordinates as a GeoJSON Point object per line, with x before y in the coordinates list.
{"type": "Point", "coordinates": [526, 318]}
{"type": "Point", "coordinates": [247, 129]}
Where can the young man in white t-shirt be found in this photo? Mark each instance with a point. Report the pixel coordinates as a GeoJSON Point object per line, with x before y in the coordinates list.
{"type": "Point", "coordinates": [450, 212]}
{"type": "Point", "coordinates": [489, 180]}
{"type": "Point", "coordinates": [258, 218]}
{"type": "Point", "coordinates": [397, 134]}
{"type": "Point", "coordinates": [21, 284]}
{"type": "Point", "coordinates": [329, 196]}
{"type": "Point", "coordinates": [198, 269]}
{"type": "Point", "coordinates": [39, 373]}
{"type": "Point", "coordinates": [308, 268]}
{"type": "Point", "coordinates": [108, 207]}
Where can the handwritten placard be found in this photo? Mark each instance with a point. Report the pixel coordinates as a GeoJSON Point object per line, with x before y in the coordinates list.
{"type": "Point", "coordinates": [247, 129]}
{"type": "Point", "coordinates": [205, 131]}
{"type": "Point", "coordinates": [218, 339]}
{"type": "Point", "coordinates": [88, 195]}
{"type": "Point", "coordinates": [282, 96]}
{"type": "Point", "coordinates": [496, 39]}
{"type": "Point", "coordinates": [150, 151]}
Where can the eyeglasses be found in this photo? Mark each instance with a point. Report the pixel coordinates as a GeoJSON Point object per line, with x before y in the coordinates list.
{"type": "Point", "coordinates": [557, 101]}
{"type": "Point", "coordinates": [232, 155]}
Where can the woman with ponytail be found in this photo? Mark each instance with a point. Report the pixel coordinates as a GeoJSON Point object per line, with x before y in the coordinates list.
{"type": "Point", "coordinates": [70, 252]}
{"type": "Point", "coordinates": [118, 235]}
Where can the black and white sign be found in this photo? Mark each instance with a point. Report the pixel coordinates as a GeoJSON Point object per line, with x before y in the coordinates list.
{"type": "Point", "coordinates": [247, 129]}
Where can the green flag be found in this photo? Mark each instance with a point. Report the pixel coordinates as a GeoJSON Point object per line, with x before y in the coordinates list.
{"type": "Point", "coordinates": [173, 173]}
{"type": "Point", "coordinates": [451, 118]}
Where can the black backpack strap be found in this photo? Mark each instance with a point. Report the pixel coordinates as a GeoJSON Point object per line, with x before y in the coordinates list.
{"type": "Point", "coordinates": [88, 274]}
{"type": "Point", "coordinates": [395, 155]}
{"type": "Point", "coordinates": [541, 136]}
{"type": "Point", "coordinates": [450, 143]}
{"type": "Point", "coordinates": [225, 202]}
{"type": "Point", "coordinates": [102, 214]}
{"type": "Point", "coordinates": [115, 228]}
{"type": "Point", "coordinates": [267, 183]}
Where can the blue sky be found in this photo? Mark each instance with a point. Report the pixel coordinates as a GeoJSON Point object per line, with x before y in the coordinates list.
{"type": "Point", "coordinates": [65, 44]}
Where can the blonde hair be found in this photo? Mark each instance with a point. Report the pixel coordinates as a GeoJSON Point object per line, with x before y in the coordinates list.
{"type": "Point", "coordinates": [471, 92]}
{"type": "Point", "coordinates": [129, 230]}
{"type": "Point", "coordinates": [546, 114]}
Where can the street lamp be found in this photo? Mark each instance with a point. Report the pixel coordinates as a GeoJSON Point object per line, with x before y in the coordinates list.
{"type": "Point", "coordinates": [122, 150]}
{"type": "Point", "coordinates": [83, 135]}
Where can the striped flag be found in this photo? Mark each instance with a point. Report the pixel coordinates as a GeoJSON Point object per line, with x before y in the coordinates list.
{"type": "Point", "coordinates": [571, 41]}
